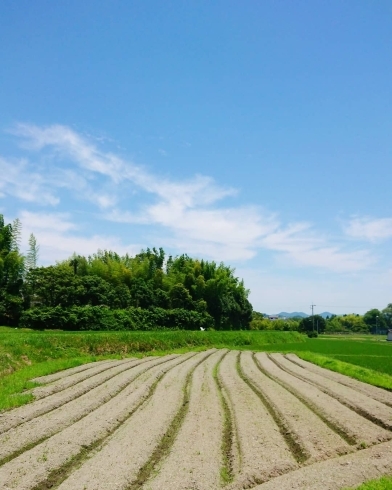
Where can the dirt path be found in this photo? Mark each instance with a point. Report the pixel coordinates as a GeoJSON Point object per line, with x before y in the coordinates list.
{"type": "Point", "coordinates": [195, 460]}
{"type": "Point", "coordinates": [379, 394]}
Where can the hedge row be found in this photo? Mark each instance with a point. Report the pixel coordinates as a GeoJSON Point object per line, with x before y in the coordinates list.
{"type": "Point", "coordinates": [102, 318]}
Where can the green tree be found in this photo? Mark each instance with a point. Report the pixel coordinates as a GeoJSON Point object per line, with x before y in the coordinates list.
{"type": "Point", "coordinates": [32, 253]}
{"type": "Point", "coordinates": [11, 274]}
{"type": "Point", "coordinates": [375, 320]}
{"type": "Point", "coordinates": [16, 236]}
{"type": "Point", "coordinates": [387, 314]}
{"type": "Point", "coordinates": [310, 323]}
{"type": "Point", "coordinates": [353, 322]}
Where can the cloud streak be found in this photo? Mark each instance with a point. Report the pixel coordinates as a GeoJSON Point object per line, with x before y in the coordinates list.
{"type": "Point", "coordinates": [369, 229]}
{"type": "Point", "coordinates": [187, 215]}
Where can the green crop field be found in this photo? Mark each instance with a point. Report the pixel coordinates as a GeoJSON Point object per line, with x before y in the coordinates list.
{"type": "Point", "coordinates": [361, 351]}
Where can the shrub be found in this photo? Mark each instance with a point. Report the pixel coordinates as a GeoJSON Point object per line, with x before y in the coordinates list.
{"type": "Point", "coordinates": [103, 318]}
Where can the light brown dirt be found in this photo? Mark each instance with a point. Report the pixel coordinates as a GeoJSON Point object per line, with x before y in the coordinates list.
{"type": "Point", "coordinates": [68, 372]}
{"type": "Point", "coordinates": [74, 379]}
{"type": "Point", "coordinates": [117, 463]}
{"type": "Point", "coordinates": [316, 438]}
{"type": "Point", "coordinates": [35, 465]}
{"type": "Point", "coordinates": [196, 460]}
{"type": "Point", "coordinates": [43, 427]}
{"type": "Point", "coordinates": [263, 450]}
{"type": "Point", "coordinates": [379, 394]}
{"type": "Point", "coordinates": [344, 472]}
{"type": "Point", "coordinates": [25, 413]}
{"type": "Point", "coordinates": [159, 423]}
{"type": "Point", "coordinates": [355, 426]}
{"type": "Point", "coordinates": [370, 408]}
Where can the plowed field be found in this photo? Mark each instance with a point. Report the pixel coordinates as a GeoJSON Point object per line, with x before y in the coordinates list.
{"type": "Point", "coordinates": [208, 420]}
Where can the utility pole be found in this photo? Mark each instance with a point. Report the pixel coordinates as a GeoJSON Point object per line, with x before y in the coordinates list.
{"type": "Point", "coordinates": [312, 306]}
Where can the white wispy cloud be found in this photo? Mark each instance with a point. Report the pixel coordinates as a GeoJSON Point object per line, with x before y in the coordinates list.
{"type": "Point", "coordinates": [59, 237]}
{"type": "Point", "coordinates": [188, 215]}
{"type": "Point", "coordinates": [369, 229]}
{"type": "Point", "coordinates": [19, 180]}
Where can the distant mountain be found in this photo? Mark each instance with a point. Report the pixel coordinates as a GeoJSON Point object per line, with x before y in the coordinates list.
{"type": "Point", "coordinates": [300, 314]}
{"type": "Point", "coordinates": [324, 314]}
{"type": "Point", "coordinates": [284, 314]}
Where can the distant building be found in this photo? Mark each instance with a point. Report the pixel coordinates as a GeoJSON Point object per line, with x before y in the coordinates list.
{"type": "Point", "coordinates": [273, 317]}
{"type": "Point", "coordinates": [389, 338]}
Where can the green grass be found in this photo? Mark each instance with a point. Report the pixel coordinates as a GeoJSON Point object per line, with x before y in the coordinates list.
{"type": "Point", "coordinates": [27, 354]}
{"type": "Point", "coordinates": [366, 375]}
{"type": "Point", "coordinates": [364, 352]}
{"type": "Point", "coordinates": [384, 483]}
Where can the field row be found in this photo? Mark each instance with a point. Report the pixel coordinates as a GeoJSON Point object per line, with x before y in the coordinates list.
{"type": "Point", "coordinates": [197, 421]}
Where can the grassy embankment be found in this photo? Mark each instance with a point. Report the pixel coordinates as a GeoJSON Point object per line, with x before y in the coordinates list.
{"type": "Point", "coordinates": [362, 358]}
{"type": "Point", "coordinates": [27, 354]}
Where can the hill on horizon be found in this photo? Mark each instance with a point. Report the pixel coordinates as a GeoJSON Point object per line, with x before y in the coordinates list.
{"type": "Point", "coordinates": [300, 314]}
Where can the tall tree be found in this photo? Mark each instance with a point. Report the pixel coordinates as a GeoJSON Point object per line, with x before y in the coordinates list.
{"type": "Point", "coordinates": [11, 276]}
{"type": "Point", "coordinates": [16, 235]}
{"type": "Point", "coordinates": [32, 254]}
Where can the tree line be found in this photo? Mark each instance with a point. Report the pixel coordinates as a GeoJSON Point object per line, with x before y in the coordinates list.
{"type": "Point", "coordinates": [373, 321]}
{"type": "Point", "coordinates": [109, 291]}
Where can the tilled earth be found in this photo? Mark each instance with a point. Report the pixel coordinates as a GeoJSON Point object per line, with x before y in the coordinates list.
{"type": "Point", "coordinates": [207, 420]}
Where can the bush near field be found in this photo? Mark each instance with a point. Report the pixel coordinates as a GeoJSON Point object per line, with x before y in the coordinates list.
{"type": "Point", "coordinates": [79, 318]}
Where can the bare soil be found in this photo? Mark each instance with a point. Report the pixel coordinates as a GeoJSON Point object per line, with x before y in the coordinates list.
{"type": "Point", "coordinates": [198, 421]}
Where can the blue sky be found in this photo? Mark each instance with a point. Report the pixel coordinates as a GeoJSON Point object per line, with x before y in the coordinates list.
{"type": "Point", "coordinates": [257, 133]}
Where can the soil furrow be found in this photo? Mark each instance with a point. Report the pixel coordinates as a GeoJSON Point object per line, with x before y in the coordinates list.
{"type": "Point", "coordinates": [73, 380]}
{"type": "Point", "coordinates": [121, 462]}
{"type": "Point", "coordinates": [371, 409]}
{"type": "Point", "coordinates": [343, 472]}
{"type": "Point", "coordinates": [295, 444]}
{"type": "Point", "coordinates": [26, 435]}
{"type": "Point", "coordinates": [198, 465]}
{"type": "Point", "coordinates": [231, 453]}
{"type": "Point", "coordinates": [379, 394]}
{"type": "Point", "coordinates": [41, 466]}
{"type": "Point", "coordinates": [50, 378]}
{"type": "Point", "coordinates": [45, 405]}
{"type": "Point", "coordinates": [264, 452]}
{"type": "Point", "coordinates": [314, 438]}
{"type": "Point", "coordinates": [345, 421]}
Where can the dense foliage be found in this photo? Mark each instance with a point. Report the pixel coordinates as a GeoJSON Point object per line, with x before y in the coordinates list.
{"type": "Point", "coordinates": [108, 291]}
{"type": "Point", "coordinates": [11, 273]}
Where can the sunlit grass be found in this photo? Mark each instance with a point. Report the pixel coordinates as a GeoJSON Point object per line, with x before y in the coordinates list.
{"type": "Point", "coordinates": [26, 355]}
{"type": "Point", "coordinates": [366, 375]}
{"type": "Point", "coordinates": [384, 483]}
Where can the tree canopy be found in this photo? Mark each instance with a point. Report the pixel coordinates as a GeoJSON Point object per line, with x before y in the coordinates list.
{"type": "Point", "coordinates": [105, 279]}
